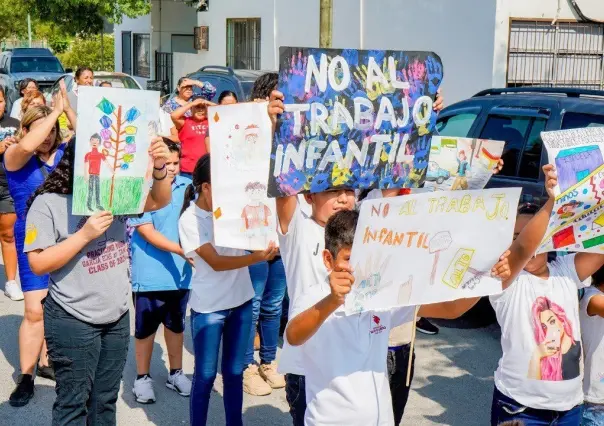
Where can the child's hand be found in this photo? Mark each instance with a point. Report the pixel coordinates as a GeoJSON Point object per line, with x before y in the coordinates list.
{"type": "Point", "coordinates": [341, 282]}
{"type": "Point", "coordinates": [63, 92]}
{"type": "Point", "coordinates": [439, 102]}
{"type": "Point", "coordinates": [269, 254]}
{"type": "Point", "coordinates": [551, 179]}
{"type": "Point", "coordinates": [498, 167]}
{"type": "Point", "coordinates": [96, 225]}
{"type": "Point", "coordinates": [159, 152]}
{"type": "Point", "coordinates": [275, 105]}
{"type": "Point", "coordinates": [502, 269]}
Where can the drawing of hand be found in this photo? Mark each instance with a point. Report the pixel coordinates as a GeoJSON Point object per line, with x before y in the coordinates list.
{"type": "Point", "coordinates": [298, 64]}
{"type": "Point", "coordinates": [435, 73]}
{"type": "Point", "coordinates": [547, 349]}
{"type": "Point", "coordinates": [551, 179]}
{"type": "Point", "coordinates": [377, 89]}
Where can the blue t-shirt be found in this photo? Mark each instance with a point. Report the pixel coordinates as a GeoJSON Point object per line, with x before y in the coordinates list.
{"type": "Point", "coordinates": [154, 269]}
{"type": "Point", "coordinates": [462, 168]}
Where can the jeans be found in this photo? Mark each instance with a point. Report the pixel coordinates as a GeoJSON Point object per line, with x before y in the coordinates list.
{"type": "Point", "coordinates": [268, 279]}
{"type": "Point", "coordinates": [593, 414]}
{"type": "Point", "coordinates": [506, 409]}
{"type": "Point", "coordinates": [295, 393]}
{"type": "Point", "coordinates": [88, 361]}
{"type": "Point", "coordinates": [398, 362]}
{"type": "Point", "coordinates": [232, 326]}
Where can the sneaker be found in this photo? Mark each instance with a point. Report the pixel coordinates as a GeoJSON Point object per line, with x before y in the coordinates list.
{"type": "Point", "coordinates": [23, 392]}
{"type": "Point", "coordinates": [426, 327]}
{"type": "Point", "coordinates": [46, 371]}
{"type": "Point", "coordinates": [143, 390]}
{"type": "Point", "coordinates": [179, 383]}
{"type": "Point", "coordinates": [253, 384]}
{"type": "Point", "coordinates": [269, 373]}
{"type": "Point", "coordinates": [12, 290]}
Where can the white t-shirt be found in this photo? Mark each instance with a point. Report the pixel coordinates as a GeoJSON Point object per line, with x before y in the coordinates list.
{"type": "Point", "coordinates": [165, 123]}
{"type": "Point", "coordinates": [15, 112]}
{"type": "Point", "coordinates": [592, 331]}
{"type": "Point", "coordinates": [346, 371]}
{"type": "Point", "coordinates": [306, 275]}
{"type": "Point", "coordinates": [534, 312]}
{"type": "Point", "coordinates": [211, 290]}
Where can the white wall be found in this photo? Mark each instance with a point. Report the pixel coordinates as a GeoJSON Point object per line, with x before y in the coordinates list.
{"type": "Point", "coordinates": [141, 25]}
{"type": "Point", "coordinates": [532, 9]}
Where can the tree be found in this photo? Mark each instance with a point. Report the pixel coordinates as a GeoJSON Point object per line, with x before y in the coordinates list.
{"type": "Point", "coordinates": [13, 15]}
{"type": "Point", "coordinates": [87, 52]}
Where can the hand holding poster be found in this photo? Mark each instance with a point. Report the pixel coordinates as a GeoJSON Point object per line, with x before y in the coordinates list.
{"type": "Point", "coordinates": [354, 118]}
{"type": "Point", "coordinates": [461, 163]}
{"type": "Point", "coordinates": [430, 247]}
{"type": "Point", "coordinates": [244, 217]}
{"type": "Point", "coordinates": [113, 169]}
{"type": "Point", "coordinates": [577, 220]}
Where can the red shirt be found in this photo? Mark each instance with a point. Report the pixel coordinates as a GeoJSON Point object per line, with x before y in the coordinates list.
{"type": "Point", "coordinates": [192, 137]}
{"type": "Point", "coordinates": [256, 216]}
{"type": "Point", "coordinates": [404, 191]}
{"type": "Point", "coordinates": [94, 158]}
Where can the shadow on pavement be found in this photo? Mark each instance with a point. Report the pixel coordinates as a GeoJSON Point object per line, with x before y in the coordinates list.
{"type": "Point", "coordinates": [265, 415]}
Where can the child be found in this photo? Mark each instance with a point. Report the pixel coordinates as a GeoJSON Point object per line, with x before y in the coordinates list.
{"type": "Point", "coordinates": [221, 307]}
{"type": "Point", "coordinates": [105, 84]}
{"type": "Point", "coordinates": [161, 279]}
{"type": "Point", "coordinates": [461, 181]}
{"type": "Point", "coordinates": [539, 376]}
{"type": "Point", "coordinates": [592, 332]}
{"type": "Point", "coordinates": [92, 174]}
{"type": "Point", "coordinates": [86, 321]}
{"type": "Point", "coordinates": [192, 132]}
{"type": "Point", "coordinates": [344, 357]}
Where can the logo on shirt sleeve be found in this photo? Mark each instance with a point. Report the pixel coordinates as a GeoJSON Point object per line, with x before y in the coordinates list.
{"type": "Point", "coordinates": [375, 326]}
{"type": "Point", "coordinates": [31, 234]}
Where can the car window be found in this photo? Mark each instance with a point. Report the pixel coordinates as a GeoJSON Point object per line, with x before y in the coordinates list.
{"type": "Point", "coordinates": [513, 129]}
{"type": "Point", "coordinates": [577, 120]}
{"type": "Point", "coordinates": [247, 89]}
{"type": "Point", "coordinates": [116, 81]}
{"type": "Point", "coordinates": [456, 125]}
{"type": "Point", "coordinates": [33, 64]}
{"type": "Point", "coordinates": [530, 162]}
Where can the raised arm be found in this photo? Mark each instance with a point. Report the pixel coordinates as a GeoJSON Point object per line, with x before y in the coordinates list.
{"type": "Point", "coordinates": [178, 116]}
{"type": "Point", "coordinates": [219, 262]}
{"type": "Point", "coordinates": [448, 310]}
{"type": "Point", "coordinates": [161, 191]}
{"type": "Point", "coordinates": [67, 109]}
{"type": "Point", "coordinates": [586, 264]}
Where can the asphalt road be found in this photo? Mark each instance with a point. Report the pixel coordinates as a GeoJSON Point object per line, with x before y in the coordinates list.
{"type": "Point", "coordinates": [453, 384]}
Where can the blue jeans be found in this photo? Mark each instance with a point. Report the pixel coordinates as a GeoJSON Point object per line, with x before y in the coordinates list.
{"type": "Point", "coordinates": [506, 409]}
{"type": "Point", "coordinates": [232, 326]}
{"type": "Point", "coordinates": [268, 279]}
{"type": "Point", "coordinates": [593, 414]}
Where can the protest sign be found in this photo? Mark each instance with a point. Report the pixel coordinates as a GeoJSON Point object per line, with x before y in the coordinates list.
{"type": "Point", "coordinates": [461, 163]}
{"type": "Point", "coordinates": [113, 169]}
{"type": "Point", "coordinates": [244, 217]}
{"type": "Point", "coordinates": [577, 220]}
{"type": "Point", "coordinates": [430, 247]}
{"type": "Point", "coordinates": [353, 118]}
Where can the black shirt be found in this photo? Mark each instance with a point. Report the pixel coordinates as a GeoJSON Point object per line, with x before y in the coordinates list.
{"type": "Point", "coordinates": [571, 362]}
{"type": "Point", "coordinates": [8, 127]}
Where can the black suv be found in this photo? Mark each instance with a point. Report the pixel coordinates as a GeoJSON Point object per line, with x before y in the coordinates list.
{"type": "Point", "coordinates": [518, 116]}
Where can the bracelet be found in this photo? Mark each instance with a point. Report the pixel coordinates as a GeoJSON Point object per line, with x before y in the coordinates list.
{"type": "Point", "coordinates": [161, 178]}
{"type": "Point", "coordinates": [160, 169]}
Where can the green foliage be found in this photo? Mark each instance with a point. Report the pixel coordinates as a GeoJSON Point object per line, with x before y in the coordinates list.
{"type": "Point", "coordinates": [87, 52]}
{"type": "Point", "coordinates": [127, 195]}
{"type": "Point", "coordinates": [13, 16]}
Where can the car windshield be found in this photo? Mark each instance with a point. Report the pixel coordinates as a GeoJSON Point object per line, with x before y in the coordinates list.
{"type": "Point", "coordinates": [247, 88]}
{"type": "Point", "coordinates": [35, 64]}
{"type": "Point", "coordinates": [117, 81]}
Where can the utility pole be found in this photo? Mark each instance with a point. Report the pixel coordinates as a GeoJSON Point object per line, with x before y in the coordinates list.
{"type": "Point", "coordinates": [325, 23]}
{"type": "Point", "coordinates": [29, 28]}
{"type": "Point", "coordinates": [102, 50]}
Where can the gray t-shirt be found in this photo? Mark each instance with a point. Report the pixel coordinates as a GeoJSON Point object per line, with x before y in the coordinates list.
{"type": "Point", "coordinates": [94, 285]}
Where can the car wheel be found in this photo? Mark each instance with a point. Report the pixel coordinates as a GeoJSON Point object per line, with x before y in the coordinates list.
{"type": "Point", "coordinates": [440, 180]}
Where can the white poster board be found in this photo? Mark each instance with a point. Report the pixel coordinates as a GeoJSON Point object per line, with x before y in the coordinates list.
{"type": "Point", "coordinates": [430, 247]}
{"type": "Point", "coordinates": [113, 169]}
{"type": "Point", "coordinates": [244, 217]}
{"type": "Point", "coordinates": [577, 220]}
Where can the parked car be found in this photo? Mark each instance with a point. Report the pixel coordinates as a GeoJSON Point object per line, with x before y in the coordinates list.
{"type": "Point", "coordinates": [117, 79]}
{"type": "Point", "coordinates": [436, 173]}
{"type": "Point", "coordinates": [18, 64]}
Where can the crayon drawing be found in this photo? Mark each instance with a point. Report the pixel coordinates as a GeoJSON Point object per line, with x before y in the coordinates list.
{"type": "Point", "coordinates": [461, 163]}
{"type": "Point", "coordinates": [244, 217]}
{"type": "Point", "coordinates": [112, 163]}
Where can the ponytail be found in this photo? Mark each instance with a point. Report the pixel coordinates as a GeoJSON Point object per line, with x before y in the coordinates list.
{"type": "Point", "coordinates": [201, 175]}
{"type": "Point", "coordinates": [189, 196]}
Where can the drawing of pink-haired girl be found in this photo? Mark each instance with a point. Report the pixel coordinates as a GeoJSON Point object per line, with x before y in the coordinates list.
{"type": "Point", "coordinates": [556, 355]}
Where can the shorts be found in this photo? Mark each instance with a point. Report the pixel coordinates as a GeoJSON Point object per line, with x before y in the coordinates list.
{"type": "Point", "coordinates": [153, 308]}
{"type": "Point", "coordinates": [6, 201]}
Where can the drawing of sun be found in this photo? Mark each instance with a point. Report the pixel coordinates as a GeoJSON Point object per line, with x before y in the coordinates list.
{"type": "Point", "coordinates": [368, 281]}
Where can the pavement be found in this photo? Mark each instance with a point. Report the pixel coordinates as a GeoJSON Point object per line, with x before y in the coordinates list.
{"type": "Point", "coordinates": [453, 382]}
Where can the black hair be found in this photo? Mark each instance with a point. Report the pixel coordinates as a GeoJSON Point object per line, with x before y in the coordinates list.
{"type": "Point", "coordinates": [172, 146]}
{"type": "Point", "coordinates": [264, 85]}
{"type": "Point", "coordinates": [254, 185]}
{"type": "Point", "coordinates": [528, 209]}
{"type": "Point", "coordinates": [81, 70]}
{"type": "Point", "coordinates": [226, 94]}
{"type": "Point", "coordinates": [598, 277]}
{"type": "Point", "coordinates": [180, 80]}
{"type": "Point", "coordinates": [60, 180]}
{"type": "Point", "coordinates": [201, 175]}
{"type": "Point", "coordinates": [106, 82]}
{"type": "Point", "coordinates": [96, 136]}
{"type": "Point", "coordinates": [339, 231]}
{"type": "Point", "coordinates": [25, 82]}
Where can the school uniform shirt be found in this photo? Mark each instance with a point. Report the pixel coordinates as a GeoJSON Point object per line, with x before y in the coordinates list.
{"type": "Point", "coordinates": [192, 138]}
{"type": "Point", "coordinates": [542, 362]}
{"type": "Point", "coordinates": [93, 286]}
{"type": "Point", "coordinates": [154, 269]}
{"type": "Point", "coordinates": [346, 369]}
{"type": "Point", "coordinates": [211, 291]}
{"type": "Point", "coordinates": [592, 331]}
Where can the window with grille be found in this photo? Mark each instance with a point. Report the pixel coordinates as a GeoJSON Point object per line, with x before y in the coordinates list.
{"type": "Point", "coordinates": [142, 55]}
{"type": "Point", "coordinates": [243, 43]}
{"type": "Point", "coordinates": [564, 54]}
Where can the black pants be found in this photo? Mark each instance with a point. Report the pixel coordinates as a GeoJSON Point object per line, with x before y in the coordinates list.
{"type": "Point", "coordinates": [398, 361]}
{"type": "Point", "coordinates": [94, 192]}
{"type": "Point", "coordinates": [88, 360]}
{"type": "Point", "coordinates": [295, 393]}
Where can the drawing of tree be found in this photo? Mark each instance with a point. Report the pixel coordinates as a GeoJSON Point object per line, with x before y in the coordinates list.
{"type": "Point", "coordinates": [119, 137]}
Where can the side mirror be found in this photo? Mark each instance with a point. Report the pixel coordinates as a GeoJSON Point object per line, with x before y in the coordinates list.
{"type": "Point", "coordinates": [68, 70]}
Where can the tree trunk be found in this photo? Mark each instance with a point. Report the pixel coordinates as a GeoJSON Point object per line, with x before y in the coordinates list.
{"type": "Point", "coordinates": [118, 140]}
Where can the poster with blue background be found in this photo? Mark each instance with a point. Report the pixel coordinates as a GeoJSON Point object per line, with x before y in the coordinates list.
{"type": "Point", "coordinates": [353, 119]}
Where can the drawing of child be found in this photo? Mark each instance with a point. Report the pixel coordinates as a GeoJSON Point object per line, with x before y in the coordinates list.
{"type": "Point", "coordinates": [568, 210]}
{"type": "Point", "coordinates": [92, 173]}
{"type": "Point", "coordinates": [461, 181]}
{"type": "Point", "coordinates": [256, 214]}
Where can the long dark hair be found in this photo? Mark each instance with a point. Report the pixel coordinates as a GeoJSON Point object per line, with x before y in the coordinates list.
{"type": "Point", "coordinates": [60, 180]}
{"type": "Point", "coordinates": [24, 83]}
{"type": "Point", "coordinates": [226, 94]}
{"type": "Point", "coordinates": [264, 85]}
{"type": "Point", "coordinates": [81, 70]}
{"type": "Point", "coordinates": [201, 175]}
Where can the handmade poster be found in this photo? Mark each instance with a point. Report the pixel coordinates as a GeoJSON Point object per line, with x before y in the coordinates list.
{"type": "Point", "coordinates": [244, 217]}
{"type": "Point", "coordinates": [461, 163]}
{"type": "Point", "coordinates": [353, 118]}
{"type": "Point", "coordinates": [430, 247]}
{"type": "Point", "coordinates": [113, 169]}
{"type": "Point", "coordinates": [577, 220]}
